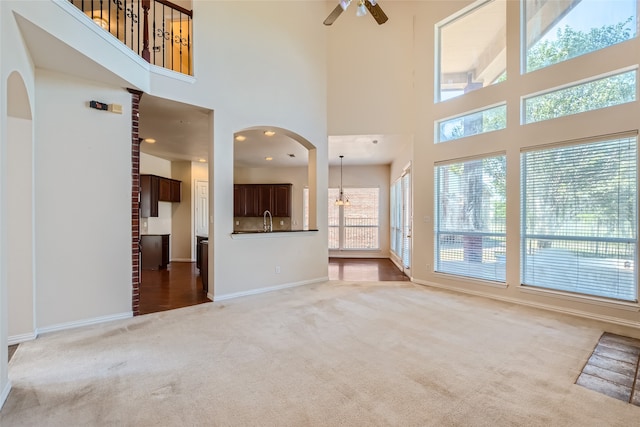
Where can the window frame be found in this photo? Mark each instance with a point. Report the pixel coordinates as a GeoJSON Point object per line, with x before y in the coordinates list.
{"type": "Point", "coordinates": [499, 277]}
{"type": "Point", "coordinates": [524, 236]}
{"type": "Point", "coordinates": [342, 227]}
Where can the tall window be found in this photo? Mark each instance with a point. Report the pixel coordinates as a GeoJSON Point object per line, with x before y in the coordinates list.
{"type": "Point", "coordinates": [470, 225]}
{"type": "Point", "coordinates": [579, 218]}
{"type": "Point", "coordinates": [396, 218]}
{"type": "Point", "coordinates": [355, 226]}
{"type": "Point", "coordinates": [472, 49]}
{"type": "Point", "coordinates": [305, 208]}
{"type": "Point", "coordinates": [563, 29]}
{"type": "Point", "coordinates": [401, 218]}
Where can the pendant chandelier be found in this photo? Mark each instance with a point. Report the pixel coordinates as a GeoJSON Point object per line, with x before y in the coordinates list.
{"type": "Point", "coordinates": [342, 200]}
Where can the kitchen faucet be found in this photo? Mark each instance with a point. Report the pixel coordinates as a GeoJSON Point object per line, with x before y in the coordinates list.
{"type": "Point", "coordinates": [264, 221]}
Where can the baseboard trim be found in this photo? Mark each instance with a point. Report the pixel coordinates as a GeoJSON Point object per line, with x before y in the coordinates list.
{"type": "Point", "coordinates": [85, 322]}
{"type": "Point", "coordinates": [17, 339]}
{"type": "Point", "coordinates": [5, 394]}
{"type": "Point", "coordinates": [542, 306]}
{"type": "Point", "coordinates": [267, 289]}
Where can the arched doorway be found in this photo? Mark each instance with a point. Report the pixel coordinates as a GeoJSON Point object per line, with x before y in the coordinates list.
{"type": "Point", "coordinates": [264, 153]}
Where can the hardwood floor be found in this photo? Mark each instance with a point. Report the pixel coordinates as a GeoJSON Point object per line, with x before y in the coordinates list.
{"type": "Point", "coordinates": [179, 285]}
{"type": "Point", "coordinates": [12, 349]}
{"type": "Point", "coordinates": [367, 269]}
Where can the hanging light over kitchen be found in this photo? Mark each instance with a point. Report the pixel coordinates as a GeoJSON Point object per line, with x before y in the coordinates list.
{"type": "Point", "coordinates": [342, 200]}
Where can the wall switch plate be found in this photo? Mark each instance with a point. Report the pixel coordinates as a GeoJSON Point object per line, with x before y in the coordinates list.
{"type": "Point", "coordinates": [237, 222]}
{"type": "Point", "coordinates": [281, 222]}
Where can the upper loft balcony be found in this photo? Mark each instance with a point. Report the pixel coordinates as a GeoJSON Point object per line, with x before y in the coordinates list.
{"type": "Point", "coordinates": [158, 30]}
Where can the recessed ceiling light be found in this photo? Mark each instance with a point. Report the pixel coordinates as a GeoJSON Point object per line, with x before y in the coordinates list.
{"type": "Point", "coordinates": [241, 138]}
{"type": "Point", "coordinates": [150, 140]}
{"type": "Point", "coordinates": [268, 158]}
{"type": "Point", "coordinates": [269, 132]}
{"type": "Point", "coordinates": [202, 160]}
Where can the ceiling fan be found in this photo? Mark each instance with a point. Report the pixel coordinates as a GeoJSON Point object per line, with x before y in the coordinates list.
{"type": "Point", "coordinates": [363, 6]}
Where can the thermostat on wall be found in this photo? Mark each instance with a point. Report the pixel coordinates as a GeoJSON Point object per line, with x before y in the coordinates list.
{"type": "Point", "coordinates": [114, 108]}
{"type": "Point", "coordinates": [98, 105]}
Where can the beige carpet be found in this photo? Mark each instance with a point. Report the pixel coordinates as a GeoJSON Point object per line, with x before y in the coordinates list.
{"type": "Point", "coordinates": [349, 354]}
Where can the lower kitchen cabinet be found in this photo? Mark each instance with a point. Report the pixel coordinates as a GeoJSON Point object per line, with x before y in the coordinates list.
{"type": "Point", "coordinates": [155, 251]}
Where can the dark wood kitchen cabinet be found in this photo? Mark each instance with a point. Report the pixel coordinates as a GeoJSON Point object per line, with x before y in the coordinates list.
{"type": "Point", "coordinates": [154, 251]}
{"type": "Point", "coordinates": [154, 189]}
{"type": "Point", "coordinates": [281, 200]}
{"type": "Point", "coordinates": [251, 200]}
{"type": "Point", "coordinates": [245, 200]}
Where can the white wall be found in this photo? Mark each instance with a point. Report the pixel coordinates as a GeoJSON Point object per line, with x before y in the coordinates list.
{"type": "Point", "coordinates": [83, 201]}
{"type": "Point", "coordinates": [14, 59]}
{"type": "Point", "coordinates": [199, 171]}
{"type": "Point", "coordinates": [20, 229]}
{"type": "Point", "coordinates": [376, 176]}
{"type": "Point", "coordinates": [370, 72]}
{"type": "Point", "coordinates": [181, 214]}
{"type": "Point", "coordinates": [273, 75]}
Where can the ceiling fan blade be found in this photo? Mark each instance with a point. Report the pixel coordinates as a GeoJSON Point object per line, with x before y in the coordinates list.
{"type": "Point", "coordinates": [333, 15]}
{"type": "Point", "coordinates": [376, 12]}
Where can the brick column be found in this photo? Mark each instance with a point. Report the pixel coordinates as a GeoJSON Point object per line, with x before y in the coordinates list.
{"type": "Point", "coordinates": [135, 201]}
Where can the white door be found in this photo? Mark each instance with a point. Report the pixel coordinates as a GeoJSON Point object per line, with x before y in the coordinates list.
{"type": "Point", "coordinates": [202, 208]}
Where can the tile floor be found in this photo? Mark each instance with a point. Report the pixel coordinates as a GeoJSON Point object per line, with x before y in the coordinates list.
{"type": "Point", "coordinates": [612, 368]}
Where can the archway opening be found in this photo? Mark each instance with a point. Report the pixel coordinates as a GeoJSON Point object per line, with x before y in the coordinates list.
{"type": "Point", "coordinates": [265, 156]}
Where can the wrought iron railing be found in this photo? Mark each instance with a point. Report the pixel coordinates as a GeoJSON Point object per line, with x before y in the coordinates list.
{"type": "Point", "coordinates": [157, 30]}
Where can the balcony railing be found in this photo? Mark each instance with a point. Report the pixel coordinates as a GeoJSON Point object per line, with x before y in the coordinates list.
{"type": "Point", "coordinates": [157, 30]}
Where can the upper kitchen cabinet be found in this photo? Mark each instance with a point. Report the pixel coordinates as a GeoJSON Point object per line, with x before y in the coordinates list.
{"type": "Point", "coordinates": [246, 200]}
{"type": "Point", "coordinates": [154, 189]}
{"type": "Point", "coordinates": [281, 197]}
{"type": "Point", "coordinates": [169, 190]}
{"type": "Point", "coordinates": [251, 200]}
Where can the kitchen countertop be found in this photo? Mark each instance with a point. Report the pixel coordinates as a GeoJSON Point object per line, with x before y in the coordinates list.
{"type": "Point", "coordinates": [275, 233]}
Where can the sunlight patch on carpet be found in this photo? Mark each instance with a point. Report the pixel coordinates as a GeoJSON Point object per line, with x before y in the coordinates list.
{"type": "Point", "coordinates": [612, 368]}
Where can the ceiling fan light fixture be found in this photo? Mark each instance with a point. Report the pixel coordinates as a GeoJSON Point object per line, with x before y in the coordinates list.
{"type": "Point", "coordinates": [362, 10]}
{"type": "Point", "coordinates": [373, 2]}
{"type": "Point", "coordinates": [344, 4]}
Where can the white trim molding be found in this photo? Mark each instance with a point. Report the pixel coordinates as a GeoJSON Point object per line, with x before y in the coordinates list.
{"type": "Point", "coordinates": [548, 307]}
{"type": "Point", "coordinates": [5, 394]}
{"type": "Point", "coordinates": [85, 322]}
{"type": "Point", "coordinates": [267, 289]}
{"type": "Point", "coordinates": [20, 338]}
